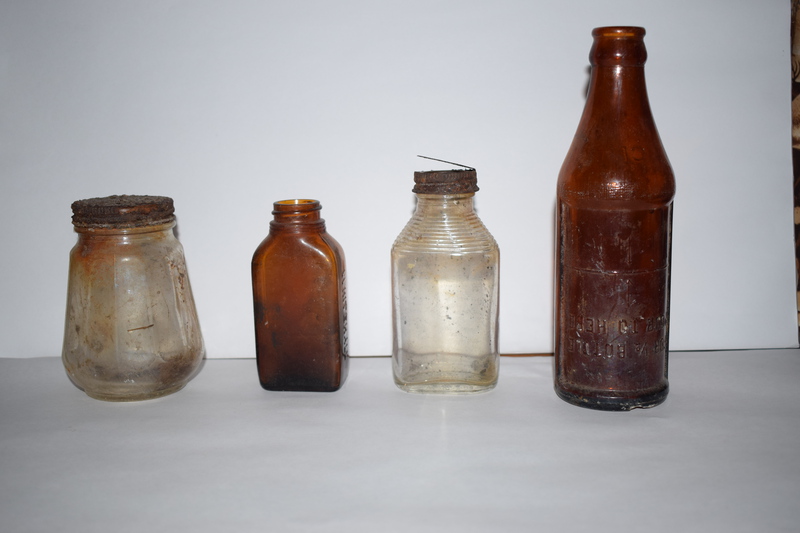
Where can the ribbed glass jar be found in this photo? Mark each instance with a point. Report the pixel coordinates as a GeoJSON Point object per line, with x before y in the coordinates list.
{"type": "Point", "coordinates": [445, 284]}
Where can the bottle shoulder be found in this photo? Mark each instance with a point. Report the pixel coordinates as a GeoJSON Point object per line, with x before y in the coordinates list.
{"type": "Point", "coordinates": [299, 248]}
{"type": "Point", "coordinates": [616, 153]}
{"type": "Point", "coordinates": [614, 170]}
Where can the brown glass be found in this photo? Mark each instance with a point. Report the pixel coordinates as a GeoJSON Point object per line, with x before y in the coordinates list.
{"type": "Point", "coordinates": [614, 210]}
{"type": "Point", "coordinates": [299, 302]}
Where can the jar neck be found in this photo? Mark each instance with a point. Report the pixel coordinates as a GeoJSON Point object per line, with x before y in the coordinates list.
{"type": "Point", "coordinates": [297, 216]}
{"type": "Point", "coordinates": [118, 231]}
{"type": "Point", "coordinates": [449, 203]}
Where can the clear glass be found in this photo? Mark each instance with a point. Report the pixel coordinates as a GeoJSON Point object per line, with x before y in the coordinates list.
{"type": "Point", "coordinates": [445, 285]}
{"type": "Point", "coordinates": [131, 331]}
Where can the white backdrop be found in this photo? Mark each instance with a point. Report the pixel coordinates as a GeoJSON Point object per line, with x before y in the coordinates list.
{"type": "Point", "coordinates": [229, 106]}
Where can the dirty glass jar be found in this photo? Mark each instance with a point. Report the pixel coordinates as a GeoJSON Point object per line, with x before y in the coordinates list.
{"type": "Point", "coordinates": [299, 302]}
{"type": "Point", "coordinates": [445, 286]}
{"type": "Point", "coordinates": [131, 328]}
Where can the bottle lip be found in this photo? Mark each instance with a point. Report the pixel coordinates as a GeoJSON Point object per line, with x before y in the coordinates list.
{"type": "Point", "coordinates": [619, 32]}
{"type": "Point", "coordinates": [295, 205]}
{"type": "Point", "coordinates": [123, 211]}
{"type": "Point", "coordinates": [618, 46]}
{"type": "Point", "coordinates": [456, 181]}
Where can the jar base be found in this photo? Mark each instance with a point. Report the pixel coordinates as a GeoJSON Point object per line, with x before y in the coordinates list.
{"type": "Point", "coordinates": [121, 398]}
{"type": "Point", "coordinates": [444, 373]}
{"type": "Point", "coordinates": [608, 402]}
{"type": "Point", "coordinates": [450, 387]}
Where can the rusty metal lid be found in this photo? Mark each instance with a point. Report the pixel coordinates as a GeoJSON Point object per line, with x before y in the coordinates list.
{"type": "Point", "coordinates": [123, 211]}
{"type": "Point", "coordinates": [446, 181]}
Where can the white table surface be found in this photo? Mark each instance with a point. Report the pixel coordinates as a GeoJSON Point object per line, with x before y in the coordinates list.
{"type": "Point", "coordinates": [722, 454]}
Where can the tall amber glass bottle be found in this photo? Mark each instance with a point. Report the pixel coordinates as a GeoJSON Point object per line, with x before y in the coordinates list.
{"type": "Point", "coordinates": [614, 209]}
{"type": "Point", "coordinates": [299, 302]}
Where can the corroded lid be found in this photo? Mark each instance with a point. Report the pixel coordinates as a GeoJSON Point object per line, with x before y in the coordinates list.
{"type": "Point", "coordinates": [123, 211]}
{"type": "Point", "coordinates": [446, 181]}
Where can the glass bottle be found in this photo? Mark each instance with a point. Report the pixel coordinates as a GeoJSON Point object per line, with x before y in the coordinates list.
{"type": "Point", "coordinates": [614, 211]}
{"type": "Point", "coordinates": [131, 325]}
{"type": "Point", "coordinates": [445, 287]}
{"type": "Point", "coordinates": [299, 302]}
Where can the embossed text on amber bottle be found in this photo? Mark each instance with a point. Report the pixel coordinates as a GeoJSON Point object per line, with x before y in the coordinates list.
{"type": "Point", "coordinates": [299, 302]}
{"type": "Point", "coordinates": [614, 210]}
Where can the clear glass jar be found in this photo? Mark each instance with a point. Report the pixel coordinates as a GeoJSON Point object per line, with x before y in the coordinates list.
{"type": "Point", "coordinates": [445, 285]}
{"type": "Point", "coordinates": [131, 328]}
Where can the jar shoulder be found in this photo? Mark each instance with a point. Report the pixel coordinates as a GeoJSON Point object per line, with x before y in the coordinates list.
{"type": "Point", "coordinates": [445, 234]}
{"type": "Point", "coordinates": [89, 250]}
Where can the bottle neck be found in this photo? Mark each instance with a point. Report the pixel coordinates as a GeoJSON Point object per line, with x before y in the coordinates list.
{"type": "Point", "coordinates": [616, 92]}
{"type": "Point", "coordinates": [617, 89]}
{"type": "Point", "coordinates": [297, 216]}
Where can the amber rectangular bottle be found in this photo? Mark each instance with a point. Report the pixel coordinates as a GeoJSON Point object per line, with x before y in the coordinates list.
{"type": "Point", "coordinates": [614, 210]}
{"type": "Point", "coordinates": [299, 302]}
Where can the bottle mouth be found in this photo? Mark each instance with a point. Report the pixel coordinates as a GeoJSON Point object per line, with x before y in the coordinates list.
{"type": "Point", "coordinates": [298, 205]}
{"type": "Point", "coordinates": [619, 32]}
{"type": "Point", "coordinates": [297, 201]}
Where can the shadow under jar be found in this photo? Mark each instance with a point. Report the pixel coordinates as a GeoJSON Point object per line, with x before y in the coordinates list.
{"type": "Point", "coordinates": [131, 330]}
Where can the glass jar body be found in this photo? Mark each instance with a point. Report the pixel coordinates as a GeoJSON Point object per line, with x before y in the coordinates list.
{"type": "Point", "coordinates": [614, 216]}
{"type": "Point", "coordinates": [131, 331]}
{"type": "Point", "coordinates": [445, 290]}
{"type": "Point", "coordinates": [299, 303]}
